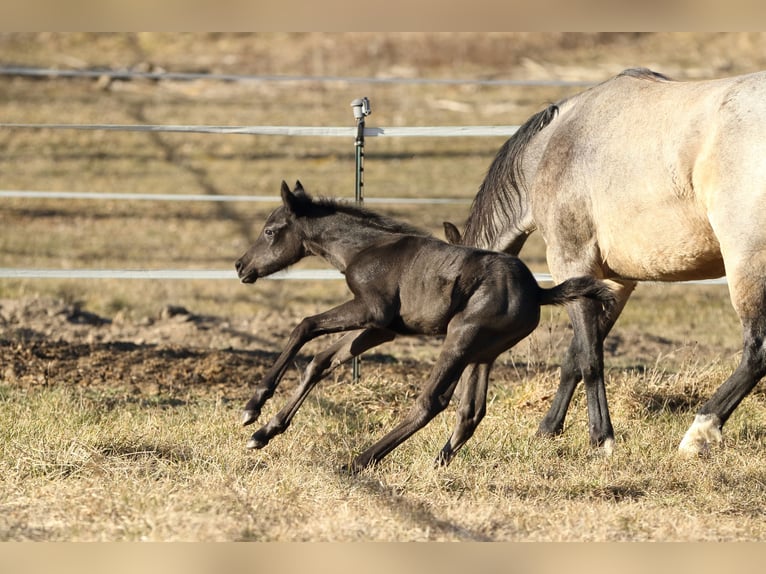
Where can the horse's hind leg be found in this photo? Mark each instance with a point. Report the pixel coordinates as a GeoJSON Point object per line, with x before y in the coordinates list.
{"type": "Point", "coordinates": [749, 298]}
{"type": "Point", "coordinates": [589, 358]}
{"type": "Point", "coordinates": [470, 411]}
{"type": "Point", "coordinates": [349, 346]}
{"type": "Point", "coordinates": [553, 421]}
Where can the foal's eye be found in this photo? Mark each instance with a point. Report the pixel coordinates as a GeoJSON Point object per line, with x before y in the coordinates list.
{"type": "Point", "coordinates": [268, 233]}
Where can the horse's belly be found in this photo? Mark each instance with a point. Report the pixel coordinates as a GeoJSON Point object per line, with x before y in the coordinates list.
{"type": "Point", "coordinates": [648, 251]}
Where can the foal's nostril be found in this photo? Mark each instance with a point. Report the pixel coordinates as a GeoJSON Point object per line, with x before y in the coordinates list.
{"type": "Point", "coordinates": [238, 265]}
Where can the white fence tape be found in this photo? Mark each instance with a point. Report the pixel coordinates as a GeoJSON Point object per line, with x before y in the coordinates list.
{"type": "Point", "coordinates": [214, 274]}
{"type": "Point", "coordinates": [190, 76]}
{"type": "Point", "coordinates": [25, 194]}
{"type": "Point", "coordinates": [292, 131]}
{"type": "Point", "coordinates": [304, 131]}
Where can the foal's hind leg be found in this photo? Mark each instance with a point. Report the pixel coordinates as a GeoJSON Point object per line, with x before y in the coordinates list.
{"type": "Point", "coordinates": [470, 411]}
{"type": "Point", "coordinates": [347, 347]}
{"type": "Point", "coordinates": [432, 400]}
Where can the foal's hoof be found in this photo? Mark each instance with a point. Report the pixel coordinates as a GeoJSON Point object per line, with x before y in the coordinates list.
{"type": "Point", "coordinates": [256, 442]}
{"type": "Point", "coordinates": [348, 470]}
{"type": "Point", "coordinates": [249, 416]}
{"type": "Point", "coordinates": [443, 458]}
{"type": "Point", "coordinates": [359, 464]}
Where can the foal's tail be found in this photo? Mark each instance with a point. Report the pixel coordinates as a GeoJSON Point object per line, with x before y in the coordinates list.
{"type": "Point", "coordinates": [576, 288]}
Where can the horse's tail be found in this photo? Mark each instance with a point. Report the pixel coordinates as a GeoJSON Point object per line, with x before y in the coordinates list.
{"type": "Point", "coordinates": [576, 288]}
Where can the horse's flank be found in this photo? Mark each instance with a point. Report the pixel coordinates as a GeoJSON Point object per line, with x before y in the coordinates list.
{"type": "Point", "coordinates": [651, 194]}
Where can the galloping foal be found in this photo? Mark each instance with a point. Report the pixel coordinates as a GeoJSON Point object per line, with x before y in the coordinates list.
{"type": "Point", "coordinates": [404, 282]}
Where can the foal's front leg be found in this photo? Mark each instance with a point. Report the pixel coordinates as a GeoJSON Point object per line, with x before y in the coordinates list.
{"type": "Point", "coordinates": [349, 346]}
{"type": "Point", "coordinates": [345, 317]}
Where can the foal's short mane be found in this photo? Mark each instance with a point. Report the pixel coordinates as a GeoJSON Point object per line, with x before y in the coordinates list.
{"type": "Point", "coordinates": [328, 206]}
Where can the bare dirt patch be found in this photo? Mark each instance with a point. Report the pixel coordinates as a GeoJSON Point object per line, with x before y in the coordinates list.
{"type": "Point", "coordinates": [45, 341]}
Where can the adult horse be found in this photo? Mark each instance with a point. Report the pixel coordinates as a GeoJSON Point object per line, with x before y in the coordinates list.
{"type": "Point", "coordinates": [640, 178]}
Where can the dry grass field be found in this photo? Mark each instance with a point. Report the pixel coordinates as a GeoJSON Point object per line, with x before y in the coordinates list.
{"type": "Point", "coordinates": [120, 400]}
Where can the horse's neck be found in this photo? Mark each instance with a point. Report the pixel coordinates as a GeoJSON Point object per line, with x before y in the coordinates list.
{"type": "Point", "coordinates": [339, 240]}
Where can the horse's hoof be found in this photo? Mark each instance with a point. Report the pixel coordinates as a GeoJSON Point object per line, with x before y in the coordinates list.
{"type": "Point", "coordinates": [249, 417]}
{"type": "Point", "coordinates": [607, 447]}
{"type": "Point", "coordinates": [543, 431]}
{"type": "Point", "coordinates": [704, 432]}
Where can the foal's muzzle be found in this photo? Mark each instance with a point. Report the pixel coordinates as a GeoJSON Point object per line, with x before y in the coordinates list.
{"type": "Point", "coordinates": [245, 275]}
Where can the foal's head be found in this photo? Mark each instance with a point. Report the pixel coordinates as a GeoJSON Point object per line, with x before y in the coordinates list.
{"type": "Point", "coordinates": [279, 244]}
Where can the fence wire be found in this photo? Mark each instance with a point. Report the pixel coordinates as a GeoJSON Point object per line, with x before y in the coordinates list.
{"type": "Point", "coordinates": [291, 131]}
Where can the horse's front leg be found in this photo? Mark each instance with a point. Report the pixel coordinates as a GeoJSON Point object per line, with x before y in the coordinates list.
{"type": "Point", "coordinates": [349, 346]}
{"type": "Point", "coordinates": [345, 317]}
{"type": "Point", "coordinates": [571, 366]}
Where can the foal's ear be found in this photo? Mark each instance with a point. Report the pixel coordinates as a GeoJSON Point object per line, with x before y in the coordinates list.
{"type": "Point", "coordinates": [287, 195]}
{"type": "Point", "coordinates": [452, 233]}
{"type": "Point", "coordinates": [294, 201]}
{"type": "Point", "coordinates": [298, 190]}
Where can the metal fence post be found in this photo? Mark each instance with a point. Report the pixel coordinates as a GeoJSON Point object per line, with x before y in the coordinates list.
{"type": "Point", "coordinates": [361, 107]}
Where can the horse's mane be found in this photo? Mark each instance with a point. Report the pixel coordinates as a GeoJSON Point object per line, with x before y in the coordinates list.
{"type": "Point", "coordinates": [497, 200]}
{"type": "Point", "coordinates": [328, 206]}
{"type": "Point", "coordinates": [644, 74]}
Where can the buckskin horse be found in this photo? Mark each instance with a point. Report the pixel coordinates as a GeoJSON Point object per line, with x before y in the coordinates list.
{"type": "Point", "coordinates": [404, 282]}
{"type": "Point", "coordinates": [640, 178]}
